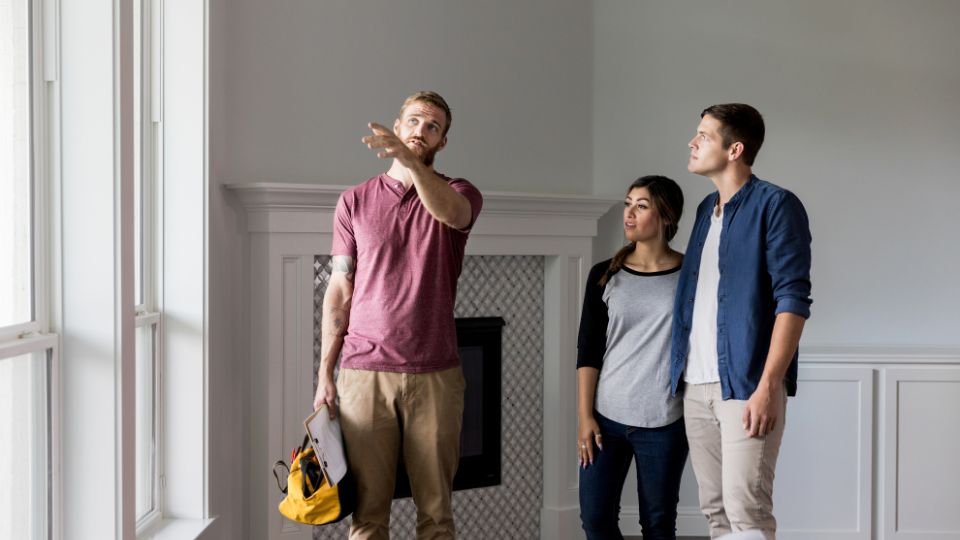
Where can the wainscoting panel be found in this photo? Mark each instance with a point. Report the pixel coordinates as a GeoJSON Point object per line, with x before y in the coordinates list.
{"type": "Point", "coordinates": [922, 448]}
{"type": "Point", "coordinates": [823, 487]}
{"type": "Point", "coordinates": [510, 287]}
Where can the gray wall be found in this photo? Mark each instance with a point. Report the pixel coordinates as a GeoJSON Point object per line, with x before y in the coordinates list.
{"type": "Point", "coordinates": [862, 104]}
{"type": "Point", "coordinates": [292, 87]}
{"type": "Point", "coordinates": [303, 78]}
{"type": "Point", "coordinates": [228, 387]}
{"type": "Point", "coordinates": [861, 101]}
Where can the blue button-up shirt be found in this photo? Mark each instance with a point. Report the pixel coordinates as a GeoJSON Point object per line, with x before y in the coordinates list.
{"type": "Point", "coordinates": [764, 271]}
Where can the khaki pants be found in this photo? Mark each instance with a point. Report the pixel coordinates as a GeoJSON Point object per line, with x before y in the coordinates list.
{"type": "Point", "coordinates": [379, 412]}
{"type": "Point", "coordinates": [734, 472]}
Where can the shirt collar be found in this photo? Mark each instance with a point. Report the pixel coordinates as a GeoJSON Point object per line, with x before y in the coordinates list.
{"type": "Point", "coordinates": [743, 191]}
{"type": "Point", "coordinates": [738, 196]}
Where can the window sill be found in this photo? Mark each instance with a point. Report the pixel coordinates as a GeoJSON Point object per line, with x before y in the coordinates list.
{"type": "Point", "coordinates": [176, 529]}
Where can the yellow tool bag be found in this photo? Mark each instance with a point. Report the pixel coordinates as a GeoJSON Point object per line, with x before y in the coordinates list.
{"type": "Point", "coordinates": [309, 497]}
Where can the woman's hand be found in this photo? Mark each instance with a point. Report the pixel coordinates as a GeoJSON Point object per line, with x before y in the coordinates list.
{"type": "Point", "coordinates": [589, 434]}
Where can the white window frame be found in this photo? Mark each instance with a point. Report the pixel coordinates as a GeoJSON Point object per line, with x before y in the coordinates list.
{"type": "Point", "coordinates": [151, 518]}
{"type": "Point", "coordinates": [39, 191]}
{"type": "Point", "coordinates": [149, 311]}
{"type": "Point", "coordinates": [46, 347]}
{"type": "Point", "coordinates": [182, 493]}
{"type": "Point", "coordinates": [150, 154]}
{"type": "Point", "coordinates": [34, 336]}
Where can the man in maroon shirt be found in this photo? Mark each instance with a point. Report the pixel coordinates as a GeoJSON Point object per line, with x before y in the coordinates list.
{"type": "Point", "coordinates": [398, 246]}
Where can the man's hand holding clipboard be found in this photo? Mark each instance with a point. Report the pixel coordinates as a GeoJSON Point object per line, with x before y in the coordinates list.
{"type": "Point", "coordinates": [327, 442]}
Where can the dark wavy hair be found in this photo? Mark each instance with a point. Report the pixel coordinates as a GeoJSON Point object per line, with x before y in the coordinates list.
{"type": "Point", "coordinates": [666, 197]}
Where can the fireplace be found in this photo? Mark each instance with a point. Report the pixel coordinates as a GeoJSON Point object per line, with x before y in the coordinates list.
{"type": "Point", "coordinates": [479, 339]}
{"type": "Point", "coordinates": [526, 260]}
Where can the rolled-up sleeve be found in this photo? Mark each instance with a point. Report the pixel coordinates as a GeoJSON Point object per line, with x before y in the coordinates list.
{"type": "Point", "coordinates": [788, 254]}
{"type": "Point", "coordinates": [592, 339]}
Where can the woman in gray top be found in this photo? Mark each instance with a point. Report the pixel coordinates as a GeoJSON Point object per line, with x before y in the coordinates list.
{"type": "Point", "coordinates": [626, 412]}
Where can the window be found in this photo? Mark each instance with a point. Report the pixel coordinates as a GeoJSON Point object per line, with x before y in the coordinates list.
{"type": "Point", "coordinates": [24, 446]}
{"type": "Point", "coordinates": [148, 327]}
{"type": "Point", "coordinates": [54, 141]}
{"type": "Point", "coordinates": [28, 357]}
{"type": "Point", "coordinates": [16, 181]}
{"type": "Point", "coordinates": [148, 493]}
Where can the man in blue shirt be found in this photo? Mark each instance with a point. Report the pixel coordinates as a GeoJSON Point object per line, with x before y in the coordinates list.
{"type": "Point", "coordinates": [742, 300]}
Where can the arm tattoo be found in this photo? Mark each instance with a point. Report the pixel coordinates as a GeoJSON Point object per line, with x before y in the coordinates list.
{"type": "Point", "coordinates": [345, 264]}
{"type": "Point", "coordinates": [338, 320]}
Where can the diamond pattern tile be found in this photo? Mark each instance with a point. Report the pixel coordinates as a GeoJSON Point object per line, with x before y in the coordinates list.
{"type": "Point", "coordinates": [510, 287]}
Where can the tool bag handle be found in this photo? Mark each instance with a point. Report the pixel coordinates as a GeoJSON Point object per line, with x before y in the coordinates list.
{"type": "Point", "coordinates": [283, 464]}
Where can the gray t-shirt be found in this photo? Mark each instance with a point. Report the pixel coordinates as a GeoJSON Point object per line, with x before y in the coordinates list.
{"type": "Point", "coordinates": [634, 385]}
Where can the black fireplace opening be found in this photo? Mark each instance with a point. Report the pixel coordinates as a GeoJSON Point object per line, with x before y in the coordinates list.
{"type": "Point", "coordinates": [479, 340]}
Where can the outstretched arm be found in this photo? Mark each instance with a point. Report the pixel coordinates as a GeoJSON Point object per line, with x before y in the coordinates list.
{"type": "Point", "coordinates": [442, 201]}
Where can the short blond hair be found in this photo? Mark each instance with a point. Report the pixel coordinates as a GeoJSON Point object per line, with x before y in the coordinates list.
{"type": "Point", "coordinates": [433, 98]}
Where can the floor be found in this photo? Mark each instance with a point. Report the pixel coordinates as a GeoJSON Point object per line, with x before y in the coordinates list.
{"type": "Point", "coordinates": [678, 538]}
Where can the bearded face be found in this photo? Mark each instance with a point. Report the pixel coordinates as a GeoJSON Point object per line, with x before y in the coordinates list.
{"type": "Point", "coordinates": [420, 147]}
{"type": "Point", "coordinates": [420, 127]}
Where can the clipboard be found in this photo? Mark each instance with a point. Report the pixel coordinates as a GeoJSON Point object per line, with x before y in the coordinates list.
{"type": "Point", "coordinates": [327, 442]}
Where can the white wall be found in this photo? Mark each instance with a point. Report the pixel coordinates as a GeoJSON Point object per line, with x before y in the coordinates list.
{"type": "Point", "coordinates": [94, 333]}
{"type": "Point", "coordinates": [227, 366]}
{"type": "Point", "coordinates": [862, 105]}
{"type": "Point", "coordinates": [303, 78]}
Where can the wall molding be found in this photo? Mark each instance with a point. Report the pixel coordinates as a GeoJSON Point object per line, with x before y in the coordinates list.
{"type": "Point", "coordinates": [288, 195]}
{"type": "Point", "coordinates": [303, 208]}
{"type": "Point", "coordinates": [879, 355]}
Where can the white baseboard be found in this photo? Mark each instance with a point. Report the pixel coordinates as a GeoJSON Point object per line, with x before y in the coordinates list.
{"type": "Point", "coordinates": [560, 523]}
{"type": "Point", "coordinates": [564, 523]}
{"type": "Point", "coordinates": [690, 521]}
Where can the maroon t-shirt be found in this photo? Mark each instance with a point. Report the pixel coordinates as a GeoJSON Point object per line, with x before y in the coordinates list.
{"type": "Point", "coordinates": [401, 317]}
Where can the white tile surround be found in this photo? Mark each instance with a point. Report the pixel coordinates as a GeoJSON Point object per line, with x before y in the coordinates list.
{"type": "Point", "coordinates": [510, 287]}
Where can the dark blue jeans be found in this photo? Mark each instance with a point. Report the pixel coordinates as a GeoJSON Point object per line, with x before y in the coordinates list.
{"type": "Point", "coordinates": [660, 454]}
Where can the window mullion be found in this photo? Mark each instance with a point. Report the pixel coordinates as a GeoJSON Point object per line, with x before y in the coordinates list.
{"type": "Point", "coordinates": [28, 344]}
{"type": "Point", "coordinates": [18, 331]}
{"type": "Point", "coordinates": [147, 318]}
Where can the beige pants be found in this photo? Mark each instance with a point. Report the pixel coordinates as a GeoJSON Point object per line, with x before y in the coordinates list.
{"type": "Point", "coordinates": [379, 411]}
{"type": "Point", "coordinates": [735, 472]}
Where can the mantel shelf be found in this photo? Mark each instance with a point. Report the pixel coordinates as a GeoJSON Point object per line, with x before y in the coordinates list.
{"type": "Point", "coordinates": [294, 196]}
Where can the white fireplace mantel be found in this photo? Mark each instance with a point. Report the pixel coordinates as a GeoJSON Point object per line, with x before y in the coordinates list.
{"type": "Point", "coordinates": [289, 224]}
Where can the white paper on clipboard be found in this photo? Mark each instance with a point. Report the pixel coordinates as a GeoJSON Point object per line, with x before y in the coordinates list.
{"type": "Point", "coordinates": [327, 442]}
